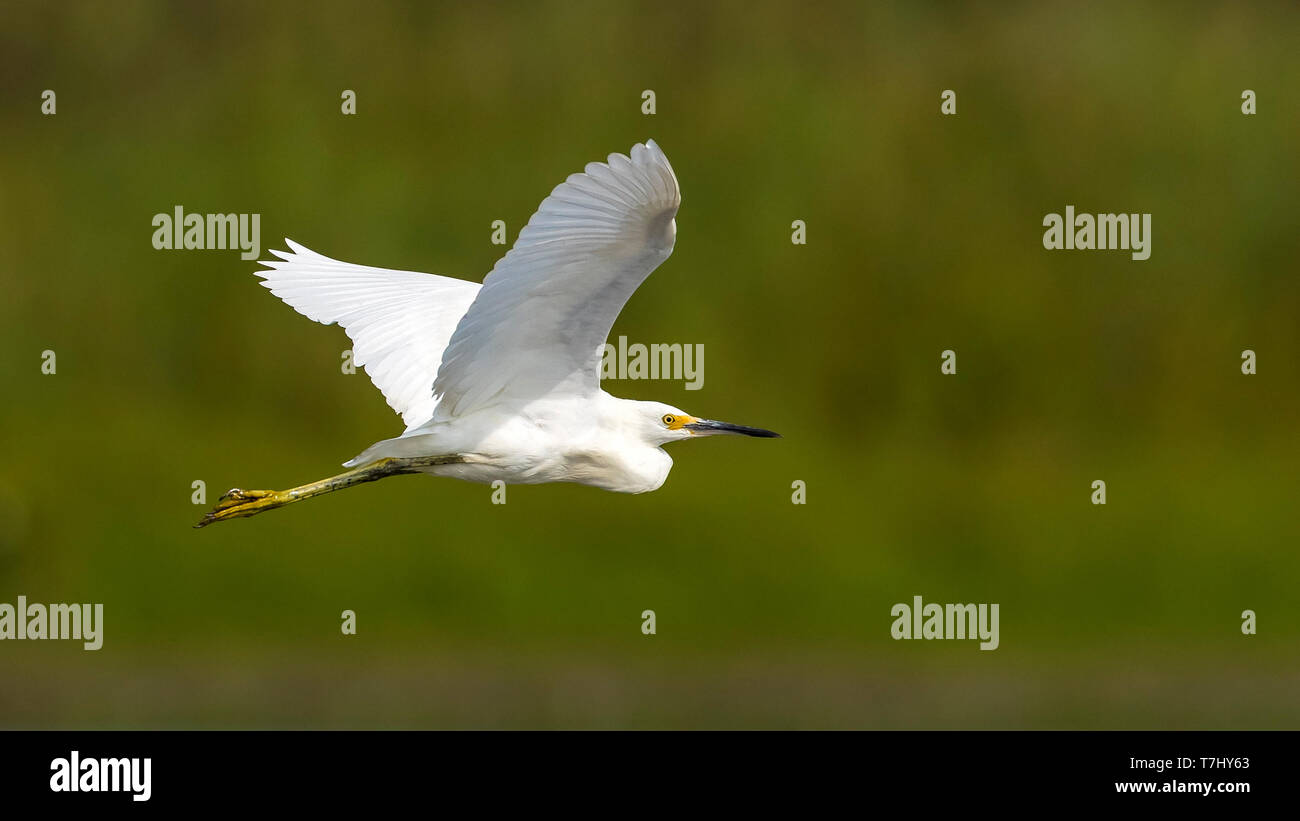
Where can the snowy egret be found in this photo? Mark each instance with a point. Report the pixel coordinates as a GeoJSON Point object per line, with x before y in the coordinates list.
{"type": "Point", "coordinates": [502, 381]}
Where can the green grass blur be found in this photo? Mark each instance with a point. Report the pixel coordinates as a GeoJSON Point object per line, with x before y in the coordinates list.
{"type": "Point", "coordinates": [924, 234]}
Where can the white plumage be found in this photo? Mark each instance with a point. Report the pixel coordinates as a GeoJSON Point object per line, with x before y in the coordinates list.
{"type": "Point", "coordinates": [399, 321]}
{"type": "Point", "coordinates": [502, 380]}
{"type": "Point", "coordinates": [540, 317]}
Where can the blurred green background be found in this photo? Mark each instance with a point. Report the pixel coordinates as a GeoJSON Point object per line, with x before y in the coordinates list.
{"type": "Point", "coordinates": [924, 234]}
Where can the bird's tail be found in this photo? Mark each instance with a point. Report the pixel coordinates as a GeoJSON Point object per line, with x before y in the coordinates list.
{"type": "Point", "coordinates": [400, 447]}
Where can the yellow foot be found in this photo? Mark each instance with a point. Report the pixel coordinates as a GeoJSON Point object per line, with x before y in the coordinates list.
{"type": "Point", "coordinates": [237, 504]}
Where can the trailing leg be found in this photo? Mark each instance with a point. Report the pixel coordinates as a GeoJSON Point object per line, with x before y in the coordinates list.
{"type": "Point", "coordinates": [237, 503]}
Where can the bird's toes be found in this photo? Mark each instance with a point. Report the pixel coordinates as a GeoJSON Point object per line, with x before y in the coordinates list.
{"type": "Point", "coordinates": [208, 518]}
{"type": "Point", "coordinates": [211, 516]}
{"type": "Point", "coordinates": [238, 496]}
{"type": "Point", "coordinates": [230, 508]}
{"type": "Point", "coordinates": [236, 504]}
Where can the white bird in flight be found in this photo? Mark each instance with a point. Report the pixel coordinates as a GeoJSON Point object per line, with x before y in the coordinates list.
{"type": "Point", "coordinates": [501, 381]}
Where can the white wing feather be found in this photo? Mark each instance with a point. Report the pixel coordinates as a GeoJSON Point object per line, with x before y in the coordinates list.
{"type": "Point", "coordinates": [537, 325]}
{"type": "Point", "coordinates": [399, 321]}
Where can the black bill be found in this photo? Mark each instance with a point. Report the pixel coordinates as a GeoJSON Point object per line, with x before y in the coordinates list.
{"type": "Point", "coordinates": [708, 427]}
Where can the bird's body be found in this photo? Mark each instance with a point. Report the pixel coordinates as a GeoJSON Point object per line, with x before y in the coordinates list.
{"type": "Point", "coordinates": [588, 441]}
{"type": "Point", "coordinates": [501, 381]}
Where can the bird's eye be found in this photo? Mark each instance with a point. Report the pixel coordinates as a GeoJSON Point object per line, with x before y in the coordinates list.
{"type": "Point", "coordinates": [668, 419]}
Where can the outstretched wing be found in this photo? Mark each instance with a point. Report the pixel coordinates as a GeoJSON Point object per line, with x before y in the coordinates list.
{"type": "Point", "coordinates": [538, 323]}
{"type": "Point", "coordinates": [399, 321]}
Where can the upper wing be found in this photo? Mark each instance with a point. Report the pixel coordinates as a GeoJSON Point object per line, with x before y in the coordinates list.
{"type": "Point", "coordinates": [399, 321]}
{"type": "Point", "coordinates": [543, 313]}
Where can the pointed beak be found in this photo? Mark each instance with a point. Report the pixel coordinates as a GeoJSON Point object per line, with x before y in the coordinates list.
{"type": "Point", "coordinates": [709, 427]}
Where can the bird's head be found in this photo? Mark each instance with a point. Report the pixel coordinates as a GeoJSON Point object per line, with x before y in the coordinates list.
{"type": "Point", "coordinates": [662, 423]}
